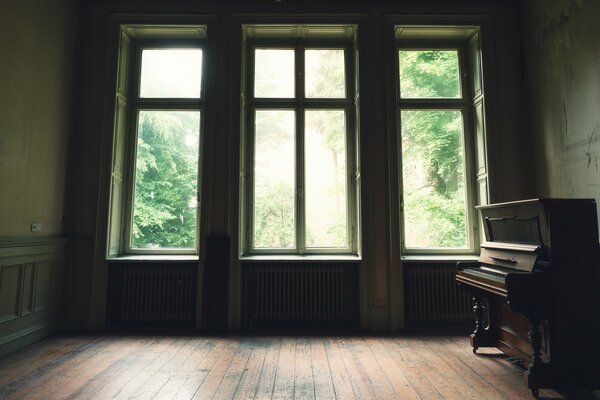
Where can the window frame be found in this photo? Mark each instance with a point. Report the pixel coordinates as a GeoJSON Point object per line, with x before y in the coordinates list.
{"type": "Point", "coordinates": [464, 105]}
{"type": "Point", "coordinates": [136, 38]}
{"type": "Point", "coordinates": [299, 104]}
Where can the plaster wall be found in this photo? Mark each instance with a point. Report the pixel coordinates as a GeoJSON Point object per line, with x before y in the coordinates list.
{"type": "Point", "coordinates": [562, 55]}
{"type": "Point", "coordinates": [36, 46]}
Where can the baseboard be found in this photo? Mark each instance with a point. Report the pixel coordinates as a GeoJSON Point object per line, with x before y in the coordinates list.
{"type": "Point", "coordinates": [24, 337]}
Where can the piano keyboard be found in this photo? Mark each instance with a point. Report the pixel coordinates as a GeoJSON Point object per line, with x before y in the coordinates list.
{"type": "Point", "coordinates": [487, 273]}
{"type": "Point", "coordinates": [486, 280]}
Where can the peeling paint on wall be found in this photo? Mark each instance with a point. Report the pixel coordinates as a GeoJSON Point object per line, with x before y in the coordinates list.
{"type": "Point", "coordinates": [548, 21]}
{"type": "Point", "coordinates": [562, 55]}
{"type": "Point", "coordinates": [592, 158]}
{"type": "Point", "coordinates": [556, 15]}
{"type": "Point", "coordinates": [565, 117]}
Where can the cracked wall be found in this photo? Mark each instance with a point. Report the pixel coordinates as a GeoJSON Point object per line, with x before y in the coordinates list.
{"type": "Point", "coordinates": [561, 47]}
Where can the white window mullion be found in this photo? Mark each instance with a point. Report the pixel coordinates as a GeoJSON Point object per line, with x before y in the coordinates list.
{"type": "Point", "coordinates": [300, 182]}
{"type": "Point", "coordinates": [434, 151]}
{"type": "Point", "coordinates": [300, 153]}
{"type": "Point", "coordinates": [310, 80]}
{"type": "Point", "coordinates": [158, 142]}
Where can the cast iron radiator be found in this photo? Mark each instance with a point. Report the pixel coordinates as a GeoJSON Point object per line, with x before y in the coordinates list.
{"type": "Point", "coordinates": [294, 294]}
{"type": "Point", "coordinates": [432, 297]}
{"type": "Point", "coordinates": [152, 293]}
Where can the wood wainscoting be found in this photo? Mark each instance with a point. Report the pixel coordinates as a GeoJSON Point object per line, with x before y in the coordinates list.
{"type": "Point", "coordinates": [31, 276]}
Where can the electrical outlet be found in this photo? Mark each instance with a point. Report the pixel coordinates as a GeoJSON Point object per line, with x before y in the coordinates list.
{"type": "Point", "coordinates": [36, 227]}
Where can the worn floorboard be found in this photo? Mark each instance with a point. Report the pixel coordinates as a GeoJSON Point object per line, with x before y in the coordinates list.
{"type": "Point", "coordinates": [404, 366]}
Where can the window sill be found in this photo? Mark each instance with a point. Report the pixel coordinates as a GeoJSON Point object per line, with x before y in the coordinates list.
{"type": "Point", "coordinates": [155, 258]}
{"type": "Point", "coordinates": [440, 258]}
{"type": "Point", "coordinates": [283, 257]}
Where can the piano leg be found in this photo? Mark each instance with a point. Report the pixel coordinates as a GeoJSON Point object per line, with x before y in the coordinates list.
{"type": "Point", "coordinates": [535, 338]}
{"type": "Point", "coordinates": [539, 374]}
{"type": "Point", "coordinates": [481, 336]}
{"type": "Point", "coordinates": [479, 311]}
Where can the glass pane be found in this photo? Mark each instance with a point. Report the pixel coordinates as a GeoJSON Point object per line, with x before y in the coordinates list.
{"type": "Point", "coordinates": [274, 73]}
{"type": "Point", "coordinates": [429, 74]}
{"type": "Point", "coordinates": [433, 174]}
{"type": "Point", "coordinates": [171, 73]}
{"type": "Point", "coordinates": [325, 74]}
{"type": "Point", "coordinates": [166, 180]}
{"type": "Point", "coordinates": [325, 174]}
{"type": "Point", "coordinates": [274, 180]}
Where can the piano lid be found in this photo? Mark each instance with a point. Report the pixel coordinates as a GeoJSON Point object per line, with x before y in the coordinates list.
{"type": "Point", "coordinates": [522, 222]}
{"type": "Point", "coordinates": [527, 221]}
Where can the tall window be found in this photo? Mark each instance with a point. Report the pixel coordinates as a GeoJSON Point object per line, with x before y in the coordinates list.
{"type": "Point", "coordinates": [433, 109]}
{"type": "Point", "coordinates": [299, 146]}
{"type": "Point", "coordinates": [158, 132]}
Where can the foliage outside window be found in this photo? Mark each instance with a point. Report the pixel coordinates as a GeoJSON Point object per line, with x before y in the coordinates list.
{"type": "Point", "coordinates": [166, 176]}
{"type": "Point", "coordinates": [433, 114]}
{"type": "Point", "coordinates": [300, 117]}
{"type": "Point", "coordinates": [157, 138]}
{"type": "Point", "coordinates": [167, 120]}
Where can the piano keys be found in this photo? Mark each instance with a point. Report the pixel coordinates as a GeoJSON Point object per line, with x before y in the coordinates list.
{"type": "Point", "coordinates": [536, 289]}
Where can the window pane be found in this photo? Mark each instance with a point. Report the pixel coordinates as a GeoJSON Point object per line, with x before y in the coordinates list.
{"type": "Point", "coordinates": [171, 73]}
{"type": "Point", "coordinates": [325, 175]}
{"type": "Point", "coordinates": [324, 71]}
{"type": "Point", "coordinates": [429, 74]}
{"type": "Point", "coordinates": [166, 180]}
{"type": "Point", "coordinates": [434, 181]}
{"type": "Point", "coordinates": [274, 180]}
{"type": "Point", "coordinates": [274, 73]}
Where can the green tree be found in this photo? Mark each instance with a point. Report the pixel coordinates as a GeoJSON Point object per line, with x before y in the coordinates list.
{"type": "Point", "coordinates": [432, 152]}
{"type": "Point", "coordinates": [326, 78]}
{"type": "Point", "coordinates": [164, 214]}
{"type": "Point", "coordinates": [274, 205]}
{"type": "Point", "coordinates": [274, 217]}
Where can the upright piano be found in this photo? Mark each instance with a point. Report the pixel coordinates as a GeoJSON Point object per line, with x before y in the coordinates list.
{"type": "Point", "coordinates": [536, 289]}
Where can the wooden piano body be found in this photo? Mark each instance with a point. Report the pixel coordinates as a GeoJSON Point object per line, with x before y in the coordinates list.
{"type": "Point", "coordinates": [536, 289]}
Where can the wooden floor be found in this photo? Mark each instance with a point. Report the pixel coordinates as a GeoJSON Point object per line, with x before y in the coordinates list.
{"type": "Point", "coordinates": [262, 367]}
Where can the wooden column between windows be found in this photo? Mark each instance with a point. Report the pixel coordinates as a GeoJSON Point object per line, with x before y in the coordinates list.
{"type": "Point", "coordinates": [215, 293]}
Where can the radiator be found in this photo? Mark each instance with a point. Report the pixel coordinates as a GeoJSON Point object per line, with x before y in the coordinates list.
{"type": "Point", "coordinates": [154, 293]}
{"type": "Point", "coordinates": [432, 297]}
{"type": "Point", "coordinates": [293, 294]}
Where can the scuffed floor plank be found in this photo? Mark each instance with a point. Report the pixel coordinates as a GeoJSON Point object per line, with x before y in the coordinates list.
{"type": "Point", "coordinates": [403, 366]}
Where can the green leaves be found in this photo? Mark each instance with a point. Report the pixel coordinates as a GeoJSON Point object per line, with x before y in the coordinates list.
{"type": "Point", "coordinates": [274, 217]}
{"type": "Point", "coordinates": [429, 74]}
{"type": "Point", "coordinates": [433, 166]}
{"type": "Point", "coordinates": [164, 210]}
